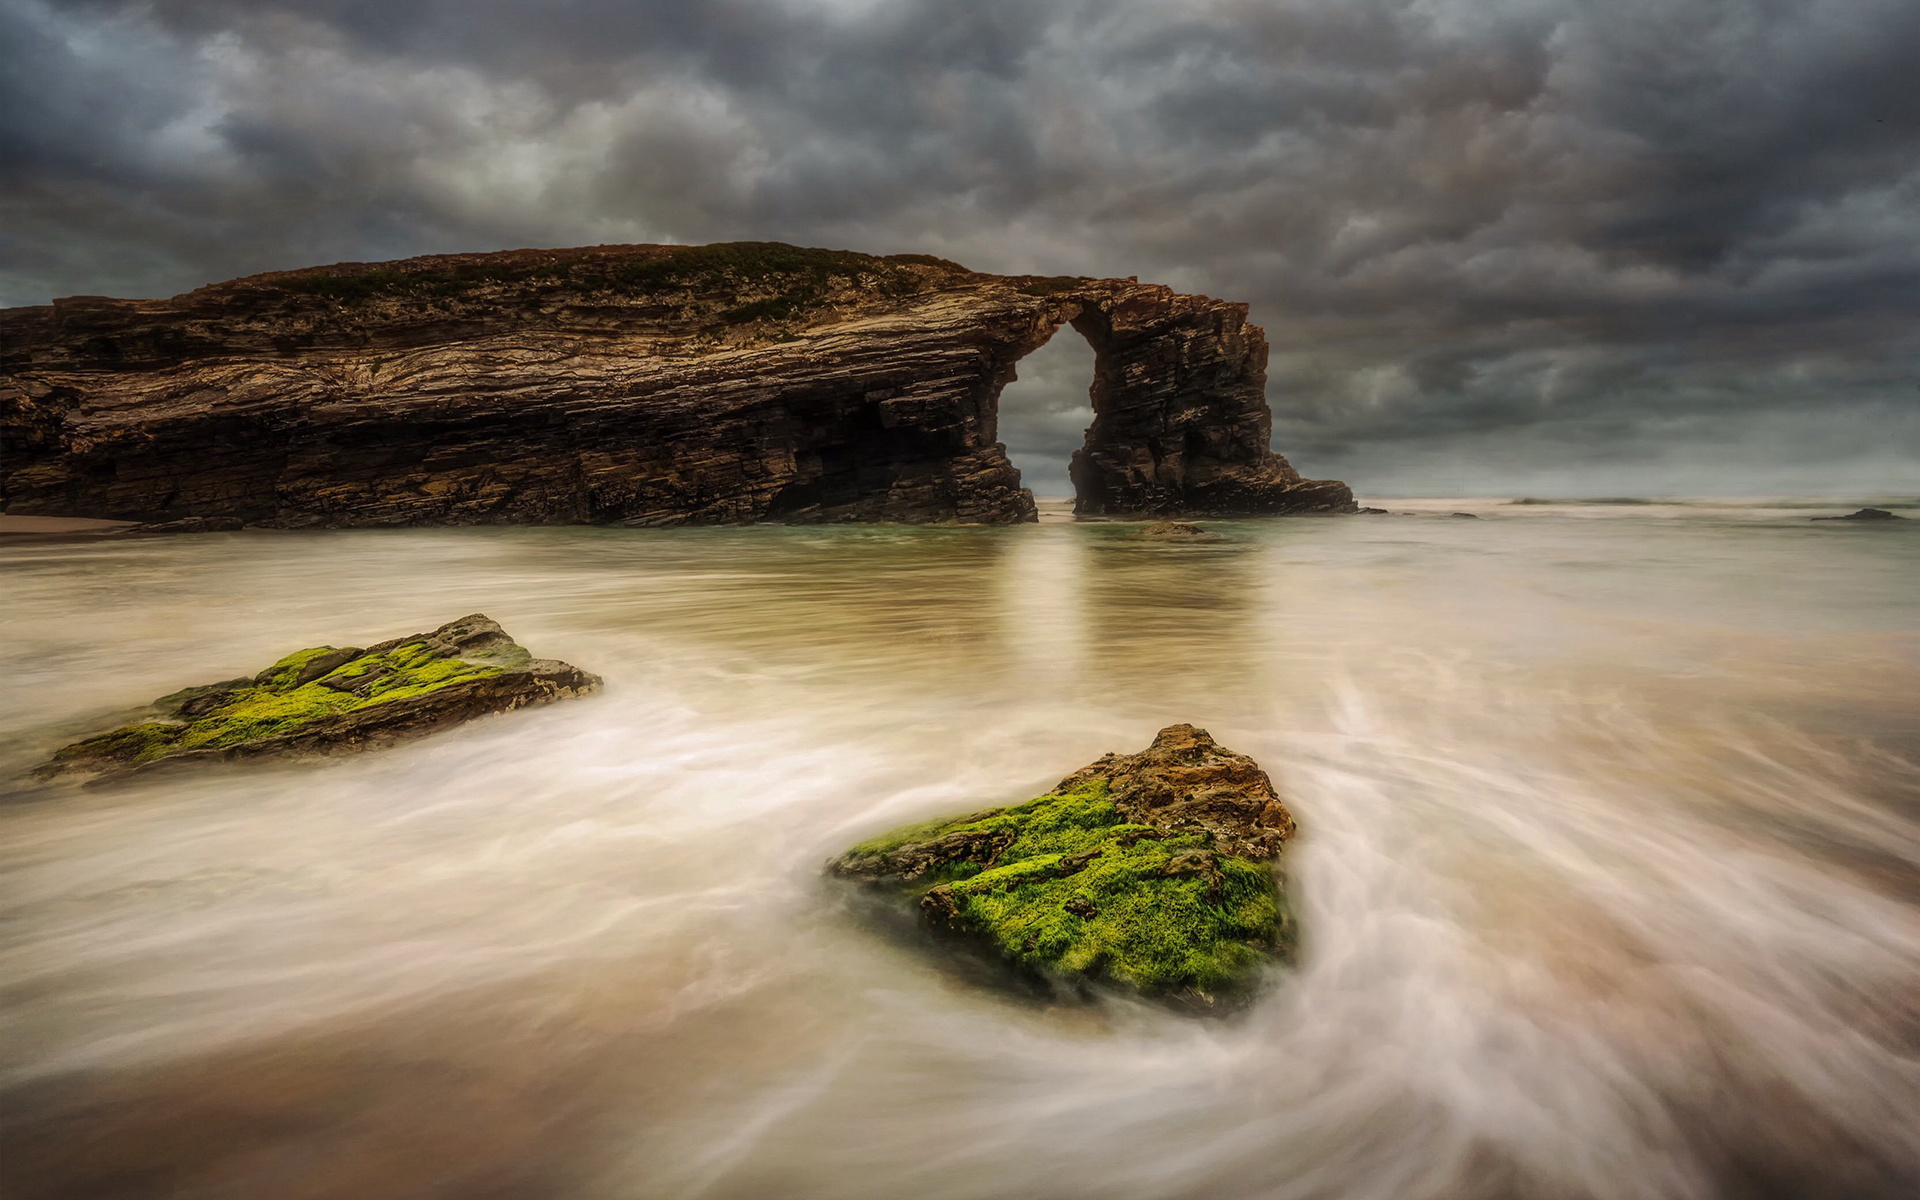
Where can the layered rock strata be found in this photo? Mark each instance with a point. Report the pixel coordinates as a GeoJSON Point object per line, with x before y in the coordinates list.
{"type": "Point", "coordinates": [326, 698]}
{"type": "Point", "coordinates": [644, 385]}
{"type": "Point", "coordinates": [1150, 872]}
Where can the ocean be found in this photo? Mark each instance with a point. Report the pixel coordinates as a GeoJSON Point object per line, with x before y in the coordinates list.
{"type": "Point", "coordinates": [1608, 871]}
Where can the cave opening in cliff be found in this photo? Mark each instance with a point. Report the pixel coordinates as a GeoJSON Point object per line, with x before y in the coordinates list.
{"type": "Point", "coordinates": [1045, 411]}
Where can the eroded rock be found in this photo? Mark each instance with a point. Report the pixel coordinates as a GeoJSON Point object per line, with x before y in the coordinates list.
{"type": "Point", "coordinates": [1150, 872]}
{"type": "Point", "coordinates": [642, 385]}
{"type": "Point", "coordinates": [326, 699]}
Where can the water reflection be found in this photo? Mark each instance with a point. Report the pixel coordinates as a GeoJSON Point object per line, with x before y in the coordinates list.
{"type": "Point", "coordinates": [1189, 606]}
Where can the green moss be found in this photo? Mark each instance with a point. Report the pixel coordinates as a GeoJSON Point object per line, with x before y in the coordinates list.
{"type": "Point", "coordinates": [131, 743]}
{"type": "Point", "coordinates": [1077, 892]}
{"type": "Point", "coordinates": [261, 713]}
{"type": "Point", "coordinates": [281, 675]}
{"type": "Point", "coordinates": [1137, 925]}
{"type": "Point", "coordinates": [275, 704]}
{"type": "Point", "coordinates": [906, 835]}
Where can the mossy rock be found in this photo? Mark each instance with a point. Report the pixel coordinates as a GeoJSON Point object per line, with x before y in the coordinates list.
{"type": "Point", "coordinates": [328, 698]}
{"type": "Point", "coordinates": [1151, 873]}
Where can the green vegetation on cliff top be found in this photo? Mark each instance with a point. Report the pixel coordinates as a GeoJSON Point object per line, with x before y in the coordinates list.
{"type": "Point", "coordinates": [1078, 892]}
{"type": "Point", "coordinates": [794, 277]}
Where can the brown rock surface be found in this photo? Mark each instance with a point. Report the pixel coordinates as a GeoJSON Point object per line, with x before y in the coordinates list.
{"type": "Point", "coordinates": [646, 385]}
{"type": "Point", "coordinates": [1187, 781]}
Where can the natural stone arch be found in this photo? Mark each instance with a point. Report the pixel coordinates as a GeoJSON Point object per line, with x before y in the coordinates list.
{"type": "Point", "coordinates": [1180, 418]}
{"type": "Point", "coordinates": [643, 385]}
{"type": "Point", "coordinates": [1044, 410]}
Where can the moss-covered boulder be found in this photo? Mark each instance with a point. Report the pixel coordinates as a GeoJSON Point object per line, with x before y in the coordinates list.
{"type": "Point", "coordinates": [329, 698]}
{"type": "Point", "coordinates": [1151, 872]}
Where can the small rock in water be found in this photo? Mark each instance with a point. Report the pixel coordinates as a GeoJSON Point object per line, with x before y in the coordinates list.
{"type": "Point", "coordinates": [1468, 516]}
{"type": "Point", "coordinates": [1149, 872]}
{"type": "Point", "coordinates": [324, 699]}
{"type": "Point", "coordinates": [1866, 514]}
{"type": "Point", "coordinates": [1178, 531]}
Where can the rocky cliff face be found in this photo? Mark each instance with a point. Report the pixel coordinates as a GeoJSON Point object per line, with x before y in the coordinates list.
{"type": "Point", "coordinates": [647, 385]}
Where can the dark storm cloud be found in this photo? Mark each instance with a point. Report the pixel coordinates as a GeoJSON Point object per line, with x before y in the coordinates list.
{"type": "Point", "coordinates": [1494, 236]}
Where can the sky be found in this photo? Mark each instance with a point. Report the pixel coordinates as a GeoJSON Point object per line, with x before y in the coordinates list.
{"type": "Point", "coordinates": [1553, 247]}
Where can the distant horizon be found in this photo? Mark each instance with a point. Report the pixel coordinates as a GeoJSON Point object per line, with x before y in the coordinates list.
{"type": "Point", "coordinates": [1865, 499]}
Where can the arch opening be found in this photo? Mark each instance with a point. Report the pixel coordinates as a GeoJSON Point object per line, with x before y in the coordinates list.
{"type": "Point", "coordinates": [1045, 411]}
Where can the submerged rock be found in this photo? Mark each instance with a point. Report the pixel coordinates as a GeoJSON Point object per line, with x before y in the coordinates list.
{"type": "Point", "coordinates": [1178, 531]}
{"type": "Point", "coordinates": [330, 698]}
{"type": "Point", "coordinates": [1150, 872]}
{"type": "Point", "coordinates": [1865, 514]}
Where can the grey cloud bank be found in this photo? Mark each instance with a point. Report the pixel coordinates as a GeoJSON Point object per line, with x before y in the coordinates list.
{"type": "Point", "coordinates": [1534, 246]}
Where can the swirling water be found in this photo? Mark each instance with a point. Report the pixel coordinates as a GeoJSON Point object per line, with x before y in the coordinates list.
{"type": "Point", "coordinates": [1609, 865]}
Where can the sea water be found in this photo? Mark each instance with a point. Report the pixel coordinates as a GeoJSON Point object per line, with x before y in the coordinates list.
{"type": "Point", "coordinates": [1609, 865]}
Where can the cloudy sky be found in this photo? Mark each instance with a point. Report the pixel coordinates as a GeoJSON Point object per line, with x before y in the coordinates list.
{"type": "Point", "coordinates": [1550, 246]}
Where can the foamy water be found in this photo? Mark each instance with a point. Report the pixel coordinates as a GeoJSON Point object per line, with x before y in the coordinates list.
{"type": "Point", "coordinates": [1609, 867]}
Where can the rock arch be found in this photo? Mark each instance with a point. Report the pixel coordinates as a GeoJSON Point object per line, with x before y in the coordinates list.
{"type": "Point", "coordinates": [1180, 418]}
{"type": "Point", "coordinates": [642, 385]}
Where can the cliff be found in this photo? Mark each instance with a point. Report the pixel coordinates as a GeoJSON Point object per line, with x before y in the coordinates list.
{"type": "Point", "coordinates": [646, 385]}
